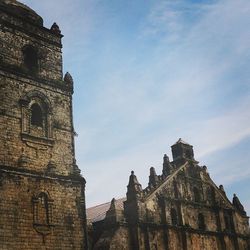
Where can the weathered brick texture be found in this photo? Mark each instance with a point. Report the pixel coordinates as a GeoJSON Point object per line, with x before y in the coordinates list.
{"type": "Point", "coordinates": [42, 201]}
{"type": "Point", "coordinates": [181, 209]}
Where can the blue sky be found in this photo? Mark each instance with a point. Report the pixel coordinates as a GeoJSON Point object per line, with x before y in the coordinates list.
{"type": "Point", "coordinates": [149, 72]}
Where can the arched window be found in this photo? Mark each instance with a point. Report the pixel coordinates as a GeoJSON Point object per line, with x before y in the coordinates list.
{"type": "Point", "coordinates": [36, 122]}
{"type": "Point", "coordinates": [201, 222]}
{"type": "Point", "coordinates": [197, 197]}
{"type": "Point", "coordinates": [30, 58]}
{"type": "Point", "coordinates": [42, 213]}
{"type": "Point", "coordinates": [174, 217]}
{"type": "Point", "coordinates": [36, 118]}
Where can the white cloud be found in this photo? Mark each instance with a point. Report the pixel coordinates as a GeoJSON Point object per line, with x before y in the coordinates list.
{"type": "Point", "coordinates": [186, 76]}
{"type": "Point", "coordinates": [146, 112]}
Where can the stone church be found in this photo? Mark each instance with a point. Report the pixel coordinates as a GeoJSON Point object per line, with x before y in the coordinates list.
{"type": "Point", "coordinates": [180, 209]}
{"type": "Point", "coordinates": [42, 193]}
{"type": "Point", "coordinates": [42, 201]}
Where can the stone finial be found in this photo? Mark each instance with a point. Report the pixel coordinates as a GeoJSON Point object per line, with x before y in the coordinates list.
{"type": "Point", "coordinates": [133, 179]}
{"type": "Point", "coordinates": [237, 204]}
{"type": "Point", "coordinates": [204, 168]}
{"type": "Point", "coordinates": [112, 209]}
{"type": "Point", "coordinates": [68, 79]}
{"type": "Point", "coordinates": [55, 29]}
{"type": "Point", "coordinates": [112, 204]}
{"type": "Point", "coordinates": [166, 166]}
{"type": "Point", "coordinates": [134, 188]}
{"type": "Point", "coordinates": [153, 178]}
{"type": "Point", "coordinates": [165, 159]}
{"type": "Point", "coordinates": [222, 189]}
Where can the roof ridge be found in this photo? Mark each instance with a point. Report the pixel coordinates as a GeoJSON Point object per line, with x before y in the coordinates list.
{"type": "Point", "coordinates": [105, 203]}
{"type": "Point", "coordinates": [167, 179]}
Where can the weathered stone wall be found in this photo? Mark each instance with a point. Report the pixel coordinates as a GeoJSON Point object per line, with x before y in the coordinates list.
{"type": "Point", "coordinates": [201, 242]}
{"type": "Point", "coordinates": [17, 224]}
{"type": "Point", "coordinates": [60, 150]}
{"type": "Point", "coordinates": [16, 34]}
{"type": "Point", "coordinates": [183, 210]}
{"type": "Point", "coordinates": [42, 200]}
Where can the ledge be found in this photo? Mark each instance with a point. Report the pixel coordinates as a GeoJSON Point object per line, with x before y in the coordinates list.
{"type": "Point", "coordinates": [38, 140]}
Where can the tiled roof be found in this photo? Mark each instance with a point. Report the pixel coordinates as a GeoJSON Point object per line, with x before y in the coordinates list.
{"type": "Point", "coordinates": [98, 213]}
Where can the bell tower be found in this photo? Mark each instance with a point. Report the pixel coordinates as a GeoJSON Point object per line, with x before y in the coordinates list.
{"type": "Point", "coordinates": [182, 150]}
{"type": "Point", "coordinates": [42, 194]}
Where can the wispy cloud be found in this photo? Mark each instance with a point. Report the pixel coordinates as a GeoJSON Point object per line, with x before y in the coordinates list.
{"type": "Point", "coordinates": [187, 89]}
{"type": "Point", "coordinates": [181, 70]}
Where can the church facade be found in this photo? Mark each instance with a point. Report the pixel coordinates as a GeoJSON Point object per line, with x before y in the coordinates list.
{"type": "Point", "coordinates": [180, 209]}
{"type": "Point", "coordinates": [42, 194]}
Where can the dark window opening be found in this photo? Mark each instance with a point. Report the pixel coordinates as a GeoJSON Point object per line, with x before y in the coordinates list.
{"type": "Point", "coordinates": [197, 197]}
{"type": "Point", "coordinates": [228, 222]}
{"type": "Point", "coordinates": [30, 59]}
{"type": "Point", "coordinates": [36, 115]}
{"type": "Point", "coordinates": [201, 222]}
{"type": "Point", "coordinates": [176, 192]}
{"type": "Point", "coordinates": [174, 217]}
{"type": "Point", "coordinates": [210, 194]}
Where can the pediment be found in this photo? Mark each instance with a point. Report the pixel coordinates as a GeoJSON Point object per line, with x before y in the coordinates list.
{"type": "Point", "coordinates": [181, 185]}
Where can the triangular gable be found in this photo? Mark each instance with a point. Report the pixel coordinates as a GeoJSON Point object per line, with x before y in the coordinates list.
{"type": "Point", "coordinates": [175, 173]}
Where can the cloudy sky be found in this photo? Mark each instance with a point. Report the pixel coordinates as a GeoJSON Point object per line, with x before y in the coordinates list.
{"type": "Point", "coordinates": [149, 72]}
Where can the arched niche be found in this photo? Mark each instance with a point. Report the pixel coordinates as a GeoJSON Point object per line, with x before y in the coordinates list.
{"type": "Point", "coordinates": [36, 117]}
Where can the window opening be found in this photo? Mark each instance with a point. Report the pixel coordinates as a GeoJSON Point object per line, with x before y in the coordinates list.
{"type": "Point", "coordinates": [196, 195]}
{"type": "Point", "coordinates": [31, 58]}
{"type": "Point", "coordinates": [36, 115]}
{"type": "Point", "coordinates": [174, 217]}
{"type": "Point", "coordinates": [201, 222]}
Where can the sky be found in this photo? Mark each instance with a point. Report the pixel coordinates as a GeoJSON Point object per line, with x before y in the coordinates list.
{"type": "Point", "coordinates": [147, 73]}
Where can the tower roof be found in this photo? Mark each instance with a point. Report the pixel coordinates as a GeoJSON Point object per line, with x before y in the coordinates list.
{"type": "Point", "coordinates": [181, 141]}
{"type": "Point", "coordinates": [21, 10]}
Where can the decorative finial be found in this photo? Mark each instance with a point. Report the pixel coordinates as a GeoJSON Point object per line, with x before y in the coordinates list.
{"type": "Point", "coordinates": [204, 168]}
{"type": "Point", "coordinates": [165, 158]}
{"type": "Point", "coordinates": [237, 204]}
{"type": "Point", "coordinates": [221, 187]}
{"type": "Point", "coordinates": [134, 187]}
{"type": "Point", "coordinates": [55, 29]}
{"type": "Point", "coordinates": [68, 78]}
{"type": "Point", "coordinates": [112, 204]}
{"type": "Point", "coordinates": [166, 166]}
{"type": "Point", "coordinates": [153, 178]}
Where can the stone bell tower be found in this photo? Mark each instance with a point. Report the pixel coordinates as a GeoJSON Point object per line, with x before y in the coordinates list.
{"type": "Point", "coordinates": [42, 200]}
